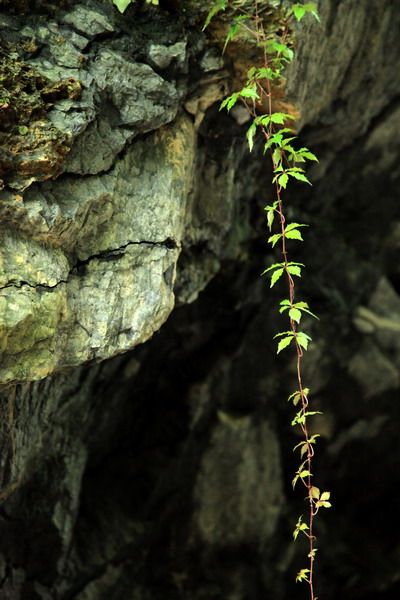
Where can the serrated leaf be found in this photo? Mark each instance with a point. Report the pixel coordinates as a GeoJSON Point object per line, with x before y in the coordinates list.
{"type": "Point", "coordinates": [280, 118]}
{"type": "Point", "coordinates": [325, 496]}
{"type": "Point", "coordinates": [275, 276]}
{"type": "Point", "coordinates": [283, 333]}
{"type": "Point", "coordinates": [302, 574]}
{"type": "Point", "coordinates": [284, 342]}
{"type": "Point", "coordinates": [283, 179]}
{"type": "Point", "coordinates": [229, 102]}
{"type": "Point", "coordinates": [303, 343]}
{"type": "Point", "coordinates": [294, 226]}
{"type": "Point", "coordinates": [295, 314]}
{"type": "Point", "coordinates": [310, 313]}
{"type": "Point", "coordinates": [299, 176]}
{"type": "Point", "coordinates": [294, 270]}
{"type": "Point", "coordinates": [265, 120]}
{"type": "Point", "coordinates": [303, 339]}
{"type": "Point", "coordinates": [310, 156]}
{"type": "Point", "coordinates": [274, 266]}
{"type": "Point", "coordinates": [248, 93]}
{"type": "Point", "coordinates": [273, 239]}
{"type": "Point", "coordinates": [294, 234]}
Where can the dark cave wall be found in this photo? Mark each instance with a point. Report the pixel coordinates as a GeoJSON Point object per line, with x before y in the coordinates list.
{"type": "Point", "coordinates": [165, 472]}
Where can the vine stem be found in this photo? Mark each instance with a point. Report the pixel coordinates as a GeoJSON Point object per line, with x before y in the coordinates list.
{"type": "Point", "coordinates": [257, 98]}
{"type": "Point", "coordinates": [291, 287]}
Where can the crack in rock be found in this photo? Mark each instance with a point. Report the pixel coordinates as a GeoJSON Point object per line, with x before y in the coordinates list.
{"type": "Point", "coordinates": [114, 253]}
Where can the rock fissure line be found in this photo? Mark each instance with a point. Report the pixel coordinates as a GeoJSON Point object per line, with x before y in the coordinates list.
{"type": "Point", "coordinates": [168, 243]}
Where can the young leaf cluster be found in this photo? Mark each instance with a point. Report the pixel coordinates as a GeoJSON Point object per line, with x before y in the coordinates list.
{"type": "Point", "coordinates": [293, 268]}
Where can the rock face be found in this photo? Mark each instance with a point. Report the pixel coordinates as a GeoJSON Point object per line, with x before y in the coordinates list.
{"type": "Point", "coordinates": [130, 204]}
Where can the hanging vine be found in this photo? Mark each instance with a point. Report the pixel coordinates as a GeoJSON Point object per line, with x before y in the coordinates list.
{"type": "Point", "coordinates": [257, 96]}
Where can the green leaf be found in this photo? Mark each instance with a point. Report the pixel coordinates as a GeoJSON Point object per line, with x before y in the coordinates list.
{"type": "Point", "coordinates": [284, 342]}
{"type": "Point", "coordinates": [315, 493]}
{"type": "Point", "coordinates": [302, 339]}
{"type": "Point", "coordinates": [294, 234]}
{"type": "Point", "coordinates": [299, 11]}
{"type": "Point", "coordinates": [283, 179]}
{"type": "Point", "coordinates": [273, 239]}
{"type": "Point", "coordinates": [283, 333]}
{"type": "Point", "coordinates": [302, 575]}
{"type": "Point", "coordinates": [277, 155]}
{"type": "Point", "coordinates": [301, 416]}
{"type": "Point", "coordinates": [294, 226]}
{"type": "Point", "coordinates": [304, 473]}
{"type": "Point", "coordinates": [250, 135]}
{"type": "Point", "coordinates": [309, 155]}
{"type": "Point", "coordinates": [294, 270]}
{"type": "Point", "coordinates": [273, 47]}
{"type": "Point", "coordinates": [220, 5]}
{"type": "Point", "coordinates": [265, 120]}
{"type": "Point", "coordinates": [229, 102]}
{"type": "Point", "coordinates": [295, 397]}
{"type": "Point", "coordinates": [303, 306]}
{"type": "Point", "coordinates": [23, 129]}
{"type": "Point", "coordinates": [300, 526]}
{"type": "Point", "coordinates": [303, 448]}
{"type": "Point", "coordinates": [122, 5]}
{"type": "Point", "coordinates": [295, 314]}
{"type": "Point", "coordinates": [270, 218]}
{"type": "Point", "coordinates": [323, 500]}
{"type": "Point", "coordinates": [274, 266]}
{"type": "Point", "coordinates": [299, 176]}
{"type": "Point", "coordinates": [280, 118]}
{"type": "Point", "coordinates": [300, 444]}
{"type": "Point", "coordinates": [230, 36]}
{"type": "Point", "coordinates": [249, 92]}
{"type": "Point", "coordinates": [275, 276]}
